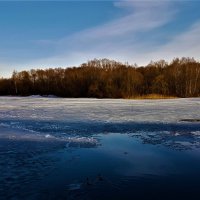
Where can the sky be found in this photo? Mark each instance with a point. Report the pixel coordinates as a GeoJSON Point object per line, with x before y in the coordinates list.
{"type": "Point", "coordinates": [44, 34]}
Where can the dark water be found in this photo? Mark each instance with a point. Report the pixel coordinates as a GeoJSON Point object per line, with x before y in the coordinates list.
{"type": "Point", "coordinates": [155, 161]}
{"type": "Point", "coordinates": [96, 150]}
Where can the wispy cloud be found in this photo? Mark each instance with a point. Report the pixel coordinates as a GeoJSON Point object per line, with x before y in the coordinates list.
{"type": "Point", "coordinates": [126, 38]}
{"type": "Point", "coordinates": [185, 44]}
{"type": "Point", "coordinates": [114, 39]}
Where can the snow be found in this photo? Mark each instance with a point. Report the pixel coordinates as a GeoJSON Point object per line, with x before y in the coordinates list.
{"type": "Point", "coordinates": [80, 121]}
{"type": "Point", "coordinates": [105, 110]}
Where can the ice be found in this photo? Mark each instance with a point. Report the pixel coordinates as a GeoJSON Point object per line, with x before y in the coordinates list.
{"type": "Point", "coordinates": [48, 136]}
{"type": "Point", "coordinates": [77, 121]}
{"type": "Point", "coordinates": [81, 142]}
{"type": "Point", "coordinates": [106, 110]}
{"type": "Point", "coordinates": [196, 133]}
{"type": "Point", "coordinates": [74, 186]}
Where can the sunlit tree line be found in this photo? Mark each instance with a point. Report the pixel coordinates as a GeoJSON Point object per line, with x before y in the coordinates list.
{"type": "Point", "coordinates": [108, 79]}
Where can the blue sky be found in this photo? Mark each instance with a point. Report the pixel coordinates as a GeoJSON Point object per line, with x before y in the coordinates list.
{"type": "Point", "coordinates": [45, 34]}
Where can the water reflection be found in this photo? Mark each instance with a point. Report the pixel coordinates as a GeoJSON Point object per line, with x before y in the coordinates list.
{"type": "Point", "coordinates": [62, 160]}
{"type": "Point", "coordinates": [179, 136]}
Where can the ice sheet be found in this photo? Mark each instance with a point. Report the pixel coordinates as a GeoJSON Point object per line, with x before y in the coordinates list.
{"type": "Point", "coordinates": [106, 110]}
{"type": "Point", "coordinates": [79, 120]}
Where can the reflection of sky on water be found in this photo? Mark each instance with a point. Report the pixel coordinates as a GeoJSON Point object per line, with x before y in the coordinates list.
{"type": "Point", "coordinates": [143, 159]}
{"type": "Point", "coordinates": [59, 167]}
{"type": "Point", "coordinates": [173, 135]}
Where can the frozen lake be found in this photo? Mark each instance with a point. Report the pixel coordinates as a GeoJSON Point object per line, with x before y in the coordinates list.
{"type": "Point", "coordinates": [55, 148]}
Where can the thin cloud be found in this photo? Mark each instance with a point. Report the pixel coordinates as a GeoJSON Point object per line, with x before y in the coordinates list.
{"type": "Point", "coordinates": [112, 39]}
{"type": "Point", "coordinates": [142, 18]}
{"type": "Point", "coordinates": [183, 45]}
{"type": "Point", "coordinates": [5, 71]}
{"type": "Point", "coordinates": [120, 39]}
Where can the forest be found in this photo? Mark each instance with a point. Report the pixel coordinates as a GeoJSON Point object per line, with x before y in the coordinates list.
{"type": "Point", "coordinates": [104, 78]}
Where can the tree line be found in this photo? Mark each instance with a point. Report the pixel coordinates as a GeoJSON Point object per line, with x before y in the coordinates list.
{"type": "Point", "coordinates": [104, 78]}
